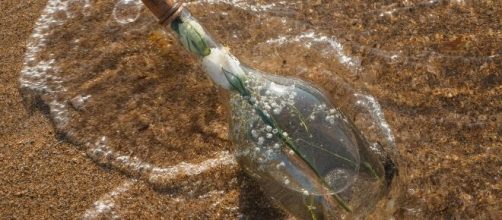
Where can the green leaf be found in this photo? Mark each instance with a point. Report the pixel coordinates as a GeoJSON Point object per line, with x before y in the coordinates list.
{"type": "Point", "coordinates": [236, 83]}
{"type": "Point", "coordinates": [192, 39]}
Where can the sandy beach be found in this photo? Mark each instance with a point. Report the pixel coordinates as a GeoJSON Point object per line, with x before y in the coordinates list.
{"type": "Point", "coordinates": [444, 111]}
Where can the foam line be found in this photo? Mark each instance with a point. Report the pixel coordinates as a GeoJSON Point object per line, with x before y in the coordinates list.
{"type": "Point", "coordinates": [374, 108]}
{"type": "Point", "coordinates": [242, 4]}
{"type": "Point", "coordinates": [34, 74]}
{"type": "Point", "coordinates": [103, 154]}
{"type": "Point", "coordinates": [308, 38]}
{"type": "Point", "coordinates": [223, 158]}
{"type": "Point", "coordinates": [106, 204]}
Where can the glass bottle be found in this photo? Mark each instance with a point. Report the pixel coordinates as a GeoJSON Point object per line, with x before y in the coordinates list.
{"type": "Point", "coordinates": [305, 154]}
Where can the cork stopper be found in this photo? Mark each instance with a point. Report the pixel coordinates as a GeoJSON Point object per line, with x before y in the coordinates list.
{"type": "Point", "coordinates": [165, 10]}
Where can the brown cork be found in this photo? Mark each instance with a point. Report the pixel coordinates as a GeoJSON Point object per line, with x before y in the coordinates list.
{"type": "Point", "coordinates": [165, 10]}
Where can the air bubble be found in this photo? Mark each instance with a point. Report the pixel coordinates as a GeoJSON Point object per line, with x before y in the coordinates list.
{"type": "Point", "coordinates": [127, 11]}
{"type": "Point", "coordinates": [339, 179]}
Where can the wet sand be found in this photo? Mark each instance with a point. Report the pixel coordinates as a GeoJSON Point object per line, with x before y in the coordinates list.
{"type": "Point", "coordinates": [447, 124]}
{"type": "Point", "coordinates": [41, 176]}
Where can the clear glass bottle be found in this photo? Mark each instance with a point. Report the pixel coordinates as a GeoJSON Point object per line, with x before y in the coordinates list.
{"type": "Point", "coordinates": [306, 155]}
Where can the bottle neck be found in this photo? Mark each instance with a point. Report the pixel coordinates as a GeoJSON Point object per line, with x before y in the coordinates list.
{"type": "Point", "coordinates": [165, 10]}
{"type": "Point", "coordinates": [216, 60]}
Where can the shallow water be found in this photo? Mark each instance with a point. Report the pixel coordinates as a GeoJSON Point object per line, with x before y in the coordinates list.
{"type": "Point", "coordinates": [120, 88]}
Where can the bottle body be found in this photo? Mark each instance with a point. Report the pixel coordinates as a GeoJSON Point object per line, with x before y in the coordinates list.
{"type": "Point", "coordinates": [331, 173]}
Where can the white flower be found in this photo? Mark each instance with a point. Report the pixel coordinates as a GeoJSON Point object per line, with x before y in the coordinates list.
{"type": "Point", "coordinates": [220, 59]}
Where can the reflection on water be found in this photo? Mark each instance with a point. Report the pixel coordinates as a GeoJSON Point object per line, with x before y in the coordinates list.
{"type": "Point", "coordinates": [118, 86]}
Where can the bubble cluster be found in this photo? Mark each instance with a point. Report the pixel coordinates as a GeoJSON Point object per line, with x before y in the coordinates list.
{"type": "Point", "coordinates": [298, 111]}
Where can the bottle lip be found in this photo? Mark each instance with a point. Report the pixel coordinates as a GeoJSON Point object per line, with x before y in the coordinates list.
{"type": "Point", "coordinates": [165, 10]}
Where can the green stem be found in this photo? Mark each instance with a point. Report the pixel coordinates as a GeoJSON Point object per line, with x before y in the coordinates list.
{"type": "Point", "coordinates": [370, 168]}
{"type": "Point", "coordinates": [302, 120]}
{"type": "Point", "coordinates": [310, 207]}
{"type": "Point", "coordinates": [350, 162]}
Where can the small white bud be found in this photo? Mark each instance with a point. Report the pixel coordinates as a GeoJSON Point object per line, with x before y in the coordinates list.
{"type": "Point", "coordinates": [254, 133]}
{"type": "Point", "coordinates": [261, 140]}
{"type": "Point", "coordinates": [277, 146]}
{"type": "Point", "coordinates": [280, 165]}
{"type": "Point", "coordinates": [305, 192]}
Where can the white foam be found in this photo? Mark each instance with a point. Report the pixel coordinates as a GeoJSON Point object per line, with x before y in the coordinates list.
{"type": "Point", "coordinates": [103, 154]}
{"type": "Point", "coordinates": [371, 104]}
{"type": "Point", "coordinates": [244, 5]}
{"type": "Point", "coordinates": [34, 75]}
{"type": "Point", "coordinates": [78, 102]}
{"type": "Point", "coordinates": [222, 159]}
{"type": "Point", "coordinates": [59, 113]}
{"type": "Point", "coordinates": [34, 72]}
{"type": "Point", "coordinates": [106, 204]}
{"type": "Point", "coordinates": [390, 12]}
{"type": "Point", "coordinates": [309, 38]}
